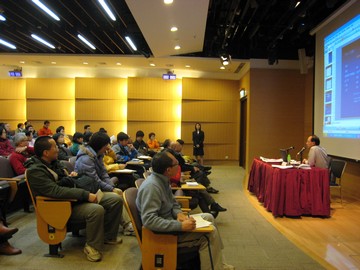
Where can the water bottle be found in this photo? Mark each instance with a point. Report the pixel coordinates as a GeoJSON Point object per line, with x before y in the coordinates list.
{"type": "Point", "coordinates": [288, 158]}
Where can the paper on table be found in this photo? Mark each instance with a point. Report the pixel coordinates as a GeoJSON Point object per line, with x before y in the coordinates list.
{"type": "Point", "coordinates": [192, 183]}
{"type": "Point", "coordinates": [125, 171]}
{"type": "Point", "coordinates": [283, 166]}
{"type": "Point", "coordinates": [271, 159]}
{"type": "Point", "coordinates": [304, 166]}
{"type": "Point", "coordinates": [200, 222]}
{"type": "Point", "coordinates": [99, 195]}
{"type": "Point", "coordinates": [144, 157]}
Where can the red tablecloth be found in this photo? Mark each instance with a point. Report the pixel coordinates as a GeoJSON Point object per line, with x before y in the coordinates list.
{"type": "Point", "coordinates": [290, 192]}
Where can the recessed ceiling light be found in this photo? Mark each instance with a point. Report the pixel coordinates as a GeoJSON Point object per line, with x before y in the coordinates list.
{"type": "Point", "coordinates": [118, 64]}
{"type": "Point", "coordinates": [22, 62]}
{"type": "Point", "coordinates": [2, 18]}
{"type": "Point", "coordinates": [152, 64]}
{"type": "Point", "coordinates": [168, 2]}
{"type": "Point", "coordinates": [222, 67]}
{"type": "Point", "coordinates": [53, 63]}
{"type": "Point", "coordinates": [173, 29]}
{"type": "Point", "coordinates": [177, 47]}
{"type": "Point", "coordinates": [85, 63]}
{"type": "Point", "coordinates": [187, 66]}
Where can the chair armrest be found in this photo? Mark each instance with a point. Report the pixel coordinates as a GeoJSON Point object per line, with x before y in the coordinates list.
{"type": "Point", "coordinates": [44, 198]}
{"type": "Point", "coordinates": [10, 179]}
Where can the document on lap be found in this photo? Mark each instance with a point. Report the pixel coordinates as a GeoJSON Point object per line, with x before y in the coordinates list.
{"type": "Point", "coordinates": [99, 195]}
{"type": "Point", "coordinates": [200, 222]}
{"type": "Point", "coordinates": [192, 183]}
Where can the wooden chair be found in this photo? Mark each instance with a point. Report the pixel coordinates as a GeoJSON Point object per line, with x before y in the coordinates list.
{"type": "Point", "coordinates": [337, 168]}
{"type": "Point", "coordinates": [52, 216]}
{"type": "Point", "coordinates": [18, 191]}
{"type": "Point", "coordinates": [156, 247]}
{"type": "Point", "coordinates": [183, 200]}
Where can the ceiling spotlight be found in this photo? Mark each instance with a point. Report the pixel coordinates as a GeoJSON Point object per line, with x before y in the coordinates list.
{"type": "Point", "coordinates": [225, 59]}
{"type": "Point", "coordinates": [46, 9]}
{"type": "Point", "coordinates": [177, 47]}
{"type": "Point", "coordinates": [222, 67]}
{"type": "Point", "coordinates": [173, 29]}
{"type": "Point", "coordinates": [168, 2]}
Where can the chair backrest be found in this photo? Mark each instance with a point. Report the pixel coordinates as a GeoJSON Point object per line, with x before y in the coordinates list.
{"type": "Point", "coordinates": [138, 182]}
{"type": "Point", "coordinates": [68, 165]}
{"type": "Point", "coordinates": [130, 204]}
{"type": "Point", "coordinates": [337, 167]}
{"type": "Point", "coordinates": [146, 174]}
{"type": "Point", "coordinates": [6, 170]}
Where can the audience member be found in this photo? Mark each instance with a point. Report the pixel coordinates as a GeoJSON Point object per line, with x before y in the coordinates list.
{"type": "Point", "coordinates": [102, 219]}
{"type": "Point", "coordinates": [87, 137]}
{"type": "Point", "coordinates": [31, 128]}
{"type": "Point", "coordinates": [153, 143]}
{"type": "Point", "coordinates": [63, 150]}
{"type": "Point", "coordinates": [5, 234]}
{"type": "Point", "coordinates": [139, 144]}
{"type": "Point", "coordinates": [45, 130]}
{"type": "Point", "coordinates": [317, 155]}
{"type": "Point", "coordinates": [87, 128]}
{"type": "Point", "coordinates": [89, 162]}
{"type": "Point", "coordinates": [124, 151]}
{"type": "Point", "coordinates": [20, 128]}
{"type": "Point", "coordinates": [30, 138]}
{"type": "Point", "coordinates": [160, 212]}
{"type": "Point", "coordinates": [67, 141]}
{"type": "Point", "coordinates": [9, 134]}
{"type": "Point", "coordinates": [22, 153]}
{"type": "Point", "coordinates": [77, 140]}
{"type": "Point", "coordinates": [6, 147]}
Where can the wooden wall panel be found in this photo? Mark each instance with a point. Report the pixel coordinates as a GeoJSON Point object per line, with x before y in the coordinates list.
{"type": "Point", "coordinates": [54, 124]}
{"type": "Point", "coordinates": [101, 88]}
{"type": "Point", "coordinates": [154, 110]}
{"type": "Point", "coordinates": [108, 110]}
{"type": "Point", "coordinates": [276, 112]}
{"type": "Point", "coordinates": [163, 130]}
{"type": "Point", "coordinates": [154, 88]}
{"type": "Point", "coordinates": [215, 133]}
{"type": "Point", "coordinates": [12, 101]}
{"type": "Point", "coordinates": [50, 110]}
{"type": "Point", "coordinates": [112, 127]}
{"type": "Point", "coordinates": [209, 111]}
{"type": "Point", "coordinates": [50, 88]}
{"type": "Point", "coordinates": [12, 89]}
{"type": "Point", "coordinates": [205, 89]}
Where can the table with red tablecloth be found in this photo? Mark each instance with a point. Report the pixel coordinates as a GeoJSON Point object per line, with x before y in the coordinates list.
{"type": "Point", "coordinates": [290, 192]}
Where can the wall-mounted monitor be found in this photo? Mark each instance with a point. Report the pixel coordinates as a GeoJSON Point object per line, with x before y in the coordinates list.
{"type": "Point", "coordinates": [15, 73]}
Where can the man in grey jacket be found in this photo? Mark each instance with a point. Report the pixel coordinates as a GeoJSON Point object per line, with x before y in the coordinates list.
{"type": "Point", "coordinates": [102, 220]}
{"type": "Point", "coordinates": [160, 212]}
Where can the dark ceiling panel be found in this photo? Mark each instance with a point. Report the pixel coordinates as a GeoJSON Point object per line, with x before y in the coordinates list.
{"type": "Point", "coordinates": [245, 29]}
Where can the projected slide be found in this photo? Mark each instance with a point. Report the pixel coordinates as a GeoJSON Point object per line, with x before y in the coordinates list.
{"type": "Point", "coordinates": [342, 81]}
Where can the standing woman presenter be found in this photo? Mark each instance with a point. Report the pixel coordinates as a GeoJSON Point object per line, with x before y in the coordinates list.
{"type": "Point", "coordinates": [198, 137]}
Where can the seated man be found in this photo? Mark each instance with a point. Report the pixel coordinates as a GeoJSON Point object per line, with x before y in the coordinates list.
{"type": "Point", "coordinates": [160, 212]}
{"type": "Point", "coordinates": [5, 234]}
{"type": "Point", "coordinates": [102, 220]}
{"type": "Point", "coordinates": [317, 155]}
{"type": "Point", "coordinates": [124, 152]}
{"type": "Point", "coordinates": [45, 130]}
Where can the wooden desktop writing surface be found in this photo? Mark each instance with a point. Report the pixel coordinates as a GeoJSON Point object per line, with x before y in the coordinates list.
{"type": "Point", "coordinates": [135, 162]}
{"type": "Point", "coordinates": [206, 229]}
{"type": "Point", "coordinates": [123, 171]}
{"type": "Point", "coordinates": [193, 187]}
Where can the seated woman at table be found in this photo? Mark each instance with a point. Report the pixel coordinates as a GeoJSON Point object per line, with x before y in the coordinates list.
{"type": "Point", "coordinates": [153, 143]}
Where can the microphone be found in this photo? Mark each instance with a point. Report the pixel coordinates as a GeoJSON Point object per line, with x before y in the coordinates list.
{"type": "Point", "coordinates": [291, 147]}
{"type": "Point", "coordinates": [302, 150]}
